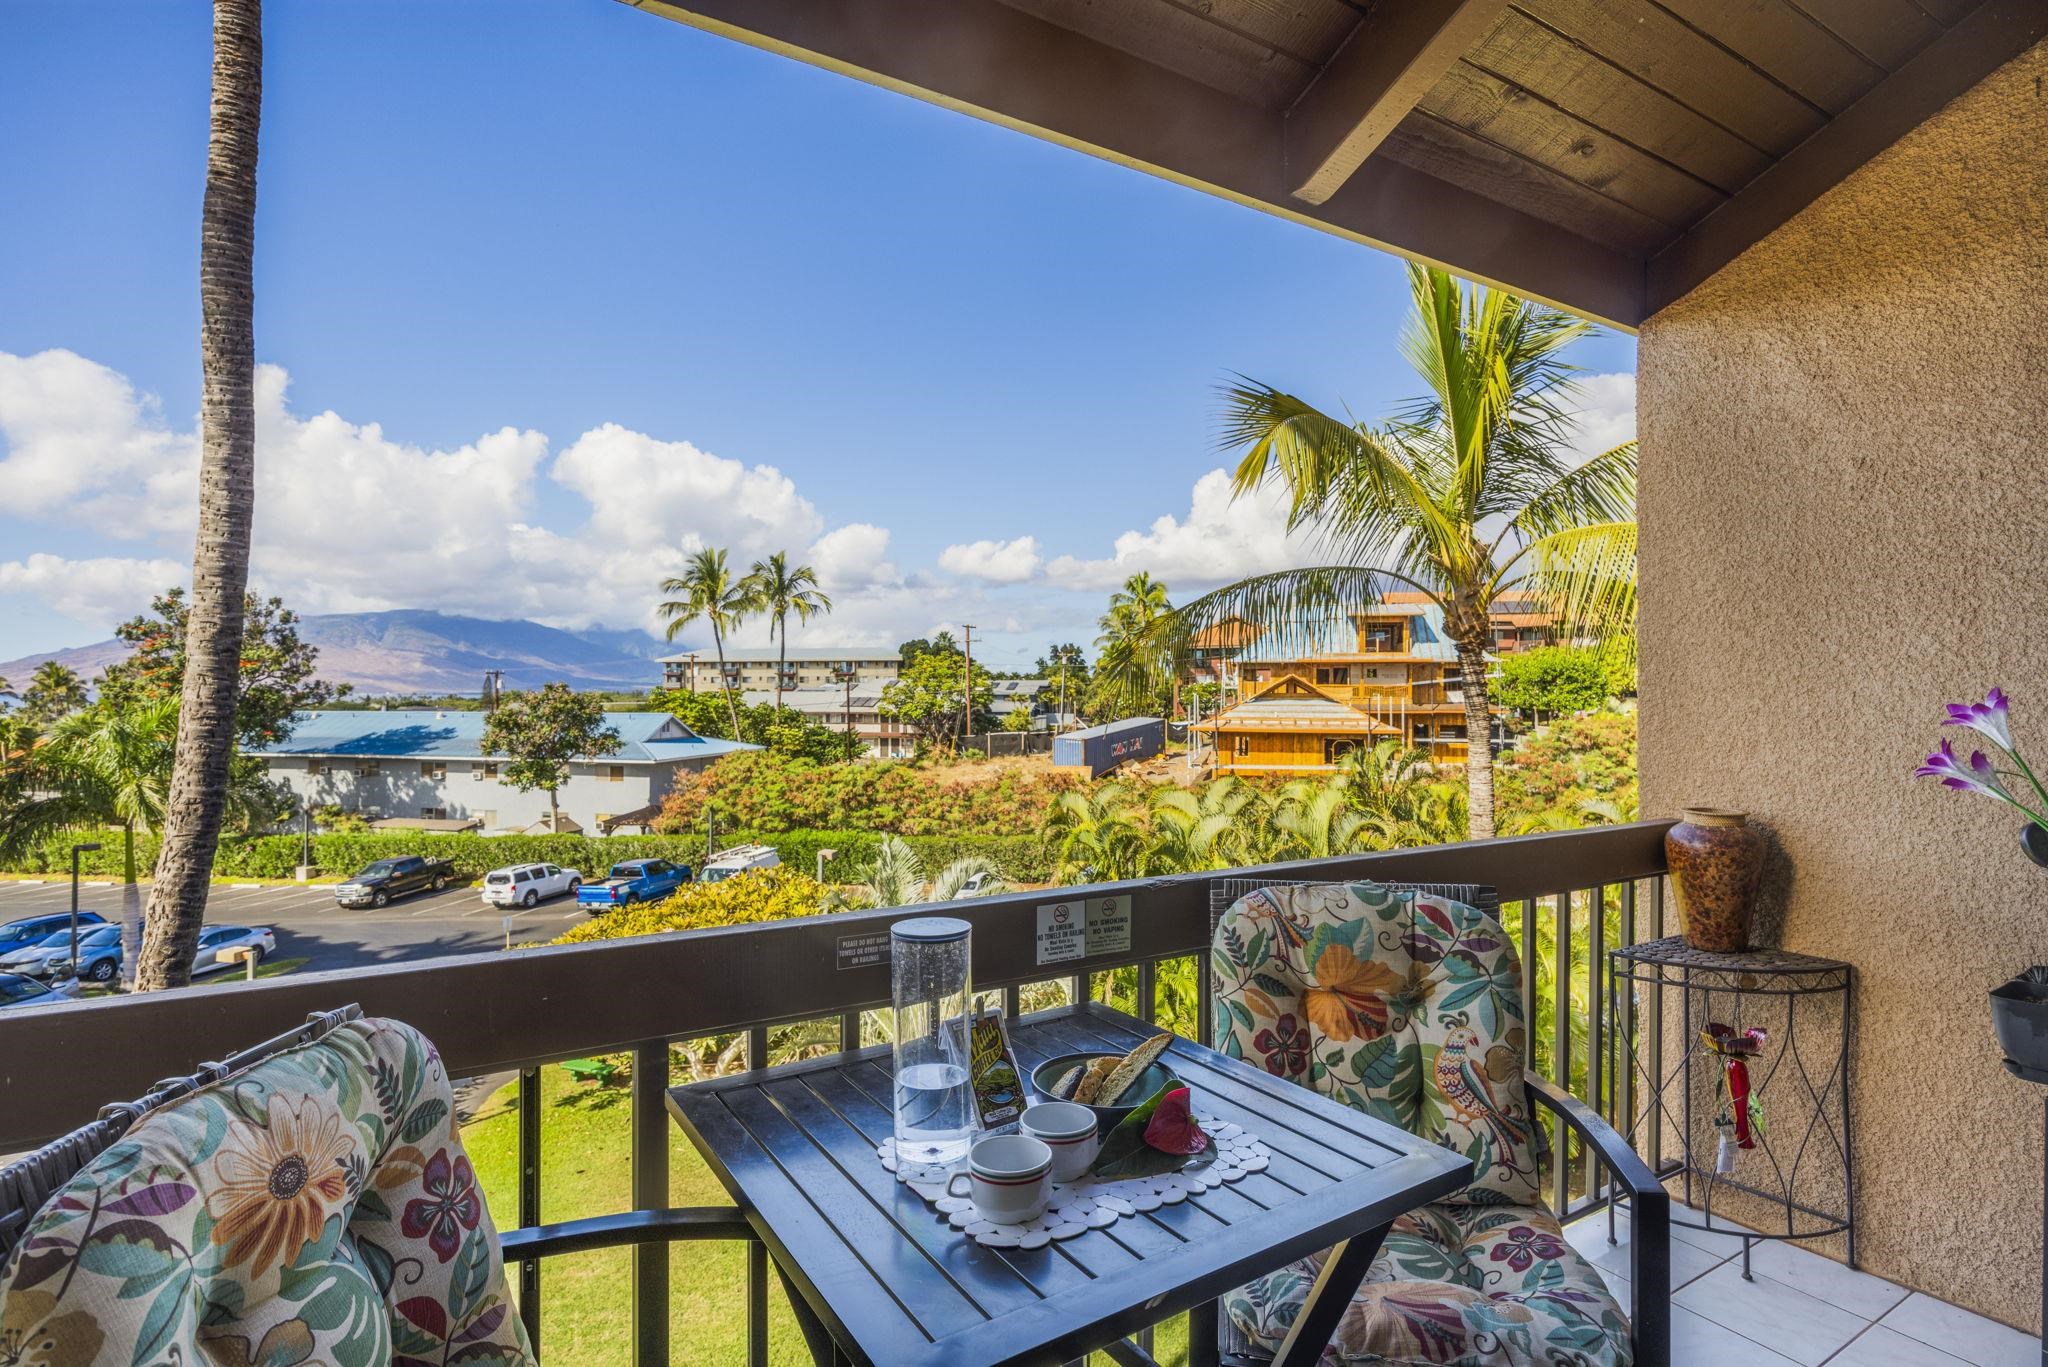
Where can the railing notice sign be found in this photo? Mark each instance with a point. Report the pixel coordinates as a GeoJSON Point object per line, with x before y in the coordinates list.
{"type": "Point", "coordinates": [1062, 931]}
{"type": "Point", "coordinates": [1084, 926]}
{"type": "Point", "coordinates": [860, 951]}
{"type": "Point", "coordinates": [1109, 925]}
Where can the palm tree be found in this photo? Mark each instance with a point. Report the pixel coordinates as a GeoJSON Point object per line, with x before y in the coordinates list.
{"type": "Point", "coordinates": [54, 690]}
{"type": "Point", "coordinates": [1096, 834]}
{"type": "Point", "coordinates": [709, 591]}
{"type": "Point", "coordinates": [113, 765]}
{"type": "Point", "coordinates": [896, 878]}
{"type": "Point", "coordinates": [781, 591]}
{"type": "Point", "coordinates": [197, 800]}
{"type": "Point", "coordinates": [1468, 494]}
{"type": "Point", "coordinates": [1137, 649]}
{"type": "Point", "coordinates": [1208, 829]}
{"type": "Point", "coordinates": [1317, 821]}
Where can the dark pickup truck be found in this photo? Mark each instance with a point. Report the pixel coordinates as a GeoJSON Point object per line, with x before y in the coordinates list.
{"type": "Point", "coordinates": [389, 878]}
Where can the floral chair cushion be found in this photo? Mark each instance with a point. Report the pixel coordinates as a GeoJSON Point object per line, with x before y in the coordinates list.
{"type": "Point", "coordinates": [1403, 1005]}
{"type": "Point", "coordinates": [317, 1208]}
{"type": "Point", "coordinates": [1456, 1286]}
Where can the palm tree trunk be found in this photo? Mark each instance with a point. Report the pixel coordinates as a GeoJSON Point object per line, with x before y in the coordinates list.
{"type": "Point", "coordinates": [781, 661]}
{"type": "Point", "coordinates": [227, 484]}
{"type": "Point", "coordinates": [731, 712]}
{"type": "Point", "coordinates": [1478, 737]}
{"type": "Point", "coordinates": [131, 907]}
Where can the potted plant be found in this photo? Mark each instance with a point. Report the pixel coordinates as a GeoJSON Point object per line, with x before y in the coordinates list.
{"type": "Point", "coordinates": [2019, 1008]}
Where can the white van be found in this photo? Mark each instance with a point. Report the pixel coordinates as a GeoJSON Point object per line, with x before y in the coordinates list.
{"type": "Point", "coordinates": [739, 859]}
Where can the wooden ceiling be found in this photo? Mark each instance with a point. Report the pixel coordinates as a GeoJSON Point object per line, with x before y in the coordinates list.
{"type": "Point", "coordinates": [1605, 154]}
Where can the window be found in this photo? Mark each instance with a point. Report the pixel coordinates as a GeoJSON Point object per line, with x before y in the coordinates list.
{"type": "Point", "coordinates": [1372, 673]}
{"type": "Point", "coordinates": [434, 813]}
{"type": "Point", "coordinates": [487, 770]}
{"type": "Point", "coordinates": [551, 871]}
{"type": "Point", "coordinates": [1333, 674]}
{"type": "Point", "coordinates": [369, 768]}
{"type": "Point", "coordinates": [1422, 730]}
{"type": "Point", "coordinates": [522, 875]}
{"type": "Point", "coordinates": [313, 768]}
{"type": "Point", "coordinates": [1241, 746]}
{"type": "Point", "coordinates": [433, 769]}
{"type": "Point", "coordinates": [613, 773]}
{"type": "Point", "coordinates": [1335, 749]}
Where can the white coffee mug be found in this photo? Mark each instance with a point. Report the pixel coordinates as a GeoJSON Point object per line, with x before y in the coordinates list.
{"type": "Point", "coordinates": [1010, 1177]}
{"type": "Point", "coordinates": [1069, 1131]}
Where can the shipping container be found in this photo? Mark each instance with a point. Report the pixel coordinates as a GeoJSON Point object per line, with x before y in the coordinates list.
{"type": "Point", "coordinates": [1101, 748]}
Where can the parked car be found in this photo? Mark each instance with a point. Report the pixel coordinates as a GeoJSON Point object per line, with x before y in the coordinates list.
{"type": "Point", "coordinates": [30, 930]}
{"type": "Point", "coordinates": [635, 880]}
{"type": "Point", "coordinates": [19, 993]}
{"type": "Point", "coordinates": [739, 859]}
{"type": "Point", "coordinates": [378, 883]}
{"type": "Point", "coordinates": [216, 941]}
{"type": "Point", "coordinates": [99, 956]}
{"type": "Point", "coordinates": [526, 885]}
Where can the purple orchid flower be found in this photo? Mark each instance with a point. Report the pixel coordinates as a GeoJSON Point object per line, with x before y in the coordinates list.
{"type": "Point", "coordinates": [1990, 718]}
{"type": "Point", "coordinates": [1977, 777]}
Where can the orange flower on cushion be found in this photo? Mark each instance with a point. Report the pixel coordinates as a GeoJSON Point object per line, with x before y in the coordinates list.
{"type": "Point", "coordinates": [1349, 998]}
{"type": "Point", "coordinates": [278, 1183]}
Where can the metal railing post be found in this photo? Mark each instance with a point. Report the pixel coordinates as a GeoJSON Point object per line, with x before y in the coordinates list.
{"type": "Point", "coordinates": [529, 1198]}
{"type": "Point", "coordinates": [650, 1192]}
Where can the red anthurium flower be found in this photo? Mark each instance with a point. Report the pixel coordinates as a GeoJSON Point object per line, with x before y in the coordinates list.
{"type": "Point", "coordinates": [1172, 1128]}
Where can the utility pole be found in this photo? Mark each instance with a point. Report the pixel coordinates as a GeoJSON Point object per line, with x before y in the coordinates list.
{"type": "Point", "coordinates": [967, 681]}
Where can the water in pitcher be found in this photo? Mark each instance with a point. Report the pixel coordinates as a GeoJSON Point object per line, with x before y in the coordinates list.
{"type": "Point", "coordinates": [934, 1112]}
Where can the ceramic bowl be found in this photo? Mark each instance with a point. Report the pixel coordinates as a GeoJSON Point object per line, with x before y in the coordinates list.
{"type": "Point", "coordinates": [1107, 1118]}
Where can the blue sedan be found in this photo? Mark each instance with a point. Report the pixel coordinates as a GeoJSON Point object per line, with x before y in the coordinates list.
{"type": "Point", "coordinates": [25, 994]}
{"type": "Point", "coordinates": [99, 956]}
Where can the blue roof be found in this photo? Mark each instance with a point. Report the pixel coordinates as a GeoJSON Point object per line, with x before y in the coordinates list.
{"type": "Point", "coordinates": [644, 737]}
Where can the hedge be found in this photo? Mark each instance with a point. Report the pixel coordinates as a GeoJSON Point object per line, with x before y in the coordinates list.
{"type": "Point", "coordinates": [1021, 858]}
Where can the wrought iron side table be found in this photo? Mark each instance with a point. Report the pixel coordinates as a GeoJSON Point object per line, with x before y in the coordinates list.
{"type": "Point", "coordinates": [1803, 1160]}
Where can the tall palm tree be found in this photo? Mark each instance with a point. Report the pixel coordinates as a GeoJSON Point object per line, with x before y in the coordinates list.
{"type": "Point", "coordinates": [197, 801]}
{"type": "Point", "coordinates": [1137, 649]}
{"type": "Point", "coordinates": [113, 765]}
{"type": "Point", "coordinates": [54, 690]}
{"type": "Point", "coordinates": [1469, 494]}
{"type": "Point", "coordinates": [782, 590]}
{"type": "Point", "coordinates": [710, 591]}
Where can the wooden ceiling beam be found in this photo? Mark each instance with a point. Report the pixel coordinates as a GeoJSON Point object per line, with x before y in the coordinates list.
{"type": "Point", "coordinates": [1986, 39]}
{"type": "Point", "coordinates": [1393, 58]}
{"type": "Point", "coordinates": [998, 63]}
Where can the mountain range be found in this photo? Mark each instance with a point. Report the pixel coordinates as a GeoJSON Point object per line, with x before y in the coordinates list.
{"type": "Point", "coordinates": [414, 651]}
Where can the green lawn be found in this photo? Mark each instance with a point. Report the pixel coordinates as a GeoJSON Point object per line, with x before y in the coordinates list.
{"type": "Point", "coordinates": [585, 1302]}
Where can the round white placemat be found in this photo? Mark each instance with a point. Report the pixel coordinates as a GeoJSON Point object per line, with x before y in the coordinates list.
{"type": "Point", "coordinates": [1089, 1203]}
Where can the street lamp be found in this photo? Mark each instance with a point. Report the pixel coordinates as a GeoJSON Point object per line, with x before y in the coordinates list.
{"type": "Point", "coordinates": [823, 857]}
{"type": "Point", "coordinates": [76, 850]}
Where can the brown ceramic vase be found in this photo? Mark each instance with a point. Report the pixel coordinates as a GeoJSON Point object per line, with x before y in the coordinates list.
{"type": "Point", "coordinates": [1716, 861]}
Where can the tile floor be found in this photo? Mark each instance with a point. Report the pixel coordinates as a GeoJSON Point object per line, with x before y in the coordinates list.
{"type": "Point", "coordinates": [1800, 1308]}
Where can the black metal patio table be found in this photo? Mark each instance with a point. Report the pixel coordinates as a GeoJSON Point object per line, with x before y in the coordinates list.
{"type": "Point", "coordinates": [879, 1279]}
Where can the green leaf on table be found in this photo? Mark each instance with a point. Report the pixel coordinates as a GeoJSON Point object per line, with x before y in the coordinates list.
{"type": "Point", "coordinates": [1125, 1153]}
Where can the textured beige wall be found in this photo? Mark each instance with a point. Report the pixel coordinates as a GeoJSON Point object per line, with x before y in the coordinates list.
{"type": "Point", "coordinates": [1845, 524]}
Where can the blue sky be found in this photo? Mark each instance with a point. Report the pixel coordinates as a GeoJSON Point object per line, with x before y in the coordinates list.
{"type": "Point", "coordinates": [546, 284]}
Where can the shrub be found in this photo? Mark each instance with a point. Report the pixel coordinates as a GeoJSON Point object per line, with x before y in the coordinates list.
{"type": "Point", "coordinates": [772, 794]}
{"type": "Point", "coordinates": [756, 895]}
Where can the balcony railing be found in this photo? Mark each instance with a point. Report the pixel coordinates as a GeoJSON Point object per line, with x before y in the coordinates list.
{"type": "Point", "coordinates": [1567, 898]}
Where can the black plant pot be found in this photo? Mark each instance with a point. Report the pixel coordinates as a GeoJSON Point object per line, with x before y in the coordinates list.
{"type": "Point", "coordinates": [2019, 1014]}
{"type": "Point", "coordinates": [2034, 840]}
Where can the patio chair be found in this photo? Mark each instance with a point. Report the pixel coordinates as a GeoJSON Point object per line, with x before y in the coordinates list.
{"type": "Point", "coordinates": [1405, 1002]}
{"type": "Point", "coordinates": [308, 1200]}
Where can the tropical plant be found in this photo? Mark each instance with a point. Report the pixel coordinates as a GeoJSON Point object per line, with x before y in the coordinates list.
{"type": "Point", "coordinates": [1138, 652]}
{"type": "Point", "coordinates": [781, 590]}
{"type": "Point", "coordinates": [1415, 502]}
{"type": "Point", "coordinates": [710, 592]}
{"type": "Point", "coordinates": [1554, 680]}
{"type": "Point", "coordinates": [197, 801]}
{"type": "Point", "coordinates": [896, 878]}
{"type": "Point", "coordinates": [1209, 828]}
{"type": "Point", "coordinates": [1316, 820]}
{"type": "Point", "coordinates": [54, 691]}
{"type": "Point", "coordinates": [540, 733]}
{"type": "Point", "coordinates": [1097, 836]}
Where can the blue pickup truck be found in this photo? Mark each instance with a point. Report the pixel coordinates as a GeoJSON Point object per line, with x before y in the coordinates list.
{"type": "Point", "coordinates": [636, 880]}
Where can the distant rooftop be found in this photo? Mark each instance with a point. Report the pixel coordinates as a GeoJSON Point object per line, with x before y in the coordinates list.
{"type": "Point", "coordinates": [769, 655]}
{"type": "Point", "coordinates": [645, 737]}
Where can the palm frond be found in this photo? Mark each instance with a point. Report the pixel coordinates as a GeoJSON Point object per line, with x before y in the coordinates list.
{"type": "Point", "coordinates": [1586, 577]}
{"type": "Point", "coordinates": [1303, 611]}
{"type": "Point", "coordinates": [1603, 490]}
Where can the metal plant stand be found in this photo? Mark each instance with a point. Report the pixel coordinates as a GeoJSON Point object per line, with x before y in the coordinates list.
{"type": "Point", "coordinates": [1803, 1161]}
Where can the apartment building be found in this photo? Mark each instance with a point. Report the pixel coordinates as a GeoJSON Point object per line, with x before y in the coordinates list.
{"type": "Point", "coordinates": [754, 669]}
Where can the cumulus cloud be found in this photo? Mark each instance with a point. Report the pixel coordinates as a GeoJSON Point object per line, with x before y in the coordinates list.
{"type": "Point", "coordinates": [1607, 416]}
{"type": "Point", "coordinates": [102, 589]}
{"type": "Point", "coordinates": [853, 557]}
{"type": "Point", "coordinates": [998, 562]}
{"type": "Point", "coordinates": [1221, 539]}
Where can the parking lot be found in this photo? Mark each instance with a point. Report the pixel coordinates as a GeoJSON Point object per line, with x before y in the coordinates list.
{"type": "Point", "coordinates": [312, 927]}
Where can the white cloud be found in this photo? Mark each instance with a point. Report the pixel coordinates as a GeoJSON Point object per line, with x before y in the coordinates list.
{"type": "Point", "coordinates": [105, 589]}
{"type": "Point", "coordinates": [1607, 415]}
{"type": "Point", "coordinates": [76, 431]}
{"type": "Point", "coordinates": [853, 557]}
{"type": "Point", "coordinates": [1221, 539]}
{"type": "Point", "coordinates": [998, 562]}
{"type": "Point", "coordinates": [647, 492]}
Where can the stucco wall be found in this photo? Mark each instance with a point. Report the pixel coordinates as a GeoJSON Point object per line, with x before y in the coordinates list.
{"type": "Point", "coordinates": [1845, 524]}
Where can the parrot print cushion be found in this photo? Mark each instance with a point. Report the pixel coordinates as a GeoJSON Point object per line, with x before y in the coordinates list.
{"type": "Point", "coordinates": [1403, 1005]}
{"type": "Point", "coordinates": [317, 1208]}
{"type": "Point", "coordinates": [1456, 1286]}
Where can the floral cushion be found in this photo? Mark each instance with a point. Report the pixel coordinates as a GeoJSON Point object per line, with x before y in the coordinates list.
{"type": "Point", "coordinates": [317, 1208]}
{"type": "Point", "coordinates": [1456, 1286]}
{"type": "Point", "coordinates": [1403, 1005]}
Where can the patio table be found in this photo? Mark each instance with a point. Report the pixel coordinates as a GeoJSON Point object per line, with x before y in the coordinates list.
{"type": "Point", "coordinates": [878, 1278]}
